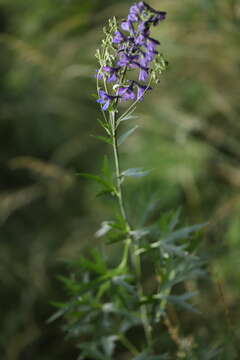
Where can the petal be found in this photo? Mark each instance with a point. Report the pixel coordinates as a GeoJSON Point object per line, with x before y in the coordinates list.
{"type": "Point", "coordinates": [105, 107]}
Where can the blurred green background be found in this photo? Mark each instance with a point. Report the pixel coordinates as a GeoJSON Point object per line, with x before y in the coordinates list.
{"type": "Point", "coordinates": [189, 134]}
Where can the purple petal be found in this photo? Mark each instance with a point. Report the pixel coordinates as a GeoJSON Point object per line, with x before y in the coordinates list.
{"type": "Point", "coordinates": [113, 78]}
{"type": "Point", "coordinates": [133, 17]}
{"type": "Point", "coordinates": [143, 75]}
{"type": "Point", "coordinates": [105, 107]}
{"type": "Point", "coordinates": [99, 75]}
{"type": "Point", "coordinates": [142, 89]}
{"type": "Point", "coordinates": [127, 26]}
{"type": "Point", "coordinates": [119, 37]}
{"type": "Point", "coordinates": [141, 39]}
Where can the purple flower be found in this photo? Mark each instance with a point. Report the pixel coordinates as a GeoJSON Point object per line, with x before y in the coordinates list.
{"type": "Point", "coordinates": [141, 5]}
{"type": "Point", "coordinates": [159, 16]}
{"type": "Point", "coordinates": [112, 73]}
{"type": "Point", "coordinates": [143, 74]}
{"type": "Point", "coordinates": [134, 9]}
{"type": "Point", "coordinates": [105, 99]}
{"type": "Point", "coordinates": [147, 57]}
{"type": "Point", "coordinates": [134, 49]}
{"type": "Point", "coordinates": [99, 75]}
{"type": "Point", "coordinates": [119, 37]}
{"type": "Point", "coordinates": [142, 90]}
{"type": "Point", "coordinates": [141, 39]}
{"type": "Point", "coordinates": [127, 60]}
{"type": "Point", "coordinates": [128, 26]}
{"type": "Point", "coordinates": [144, 28]}
{"type": "Point", "coordinates": [126, 92]}
{"type": "Point", "coordinates": [152, 44]}
{"type": "Point", "coordinates": [133, 14]}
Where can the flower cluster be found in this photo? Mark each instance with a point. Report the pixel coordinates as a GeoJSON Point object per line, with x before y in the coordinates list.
{"type": "Point", "coordinates": [132, 48]}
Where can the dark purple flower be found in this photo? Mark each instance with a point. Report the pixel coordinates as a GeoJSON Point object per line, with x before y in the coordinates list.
{"type": "Point", "coordinates": [119, 37]}
{"type": "Point", "coordinates": [127, 92]}
{"type": "Point", "coordinates": [147, 57]}
{"type": "Point", "coordinates": [127, 60]}
{"type": "Point", "coordinates": [152, 44]}
{"type": "Point", "coordinates": [105, 99]}
{"type": "Point", "coordinates": [144, 27]}
{"type": "Point", "coordinates": [159, 16]}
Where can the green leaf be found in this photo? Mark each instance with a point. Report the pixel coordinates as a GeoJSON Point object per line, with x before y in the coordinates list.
{"type": "Point", "coordinates": [108, 344]}
{"type": "Point", "coordinates": [105, 125]}
{"type": "Point", "coordinates": [106, 170]}
{"type": "Point", "coordinates": [146, 356]}
{"type": "Point", "coordinates": [97, 265]}
{"type": "Point", "coordinates": [135, 172]}
{"type": "Point", "coordinates": [106, 192]}
{"type": "Point", "coordinates": [106, 226]}
{"type": "Point", "coordinates": [179, 300]}
{"type": "Point", "coordinates": [178, 235]}
{"type": "Point", "coordinates": [116, 236]}
{"type": "Point", "coordinates": [105, 139]}
{"type": "Point", "coordinates": [121, 281]}
{"type": "Point", "coordinates": [124, 136]}
{"type": "Point", "coordinates": [99, 180]}
{"type": "Point", "coordinates": [126, 117]}
{"type": "Point", "coordinates": [64, 308]}
{"type": "Point", "coordinates": [56, 315]}
{"type": "Point", "coordinates": [175, 220]}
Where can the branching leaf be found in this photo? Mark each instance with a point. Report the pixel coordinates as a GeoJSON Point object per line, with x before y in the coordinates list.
{"type": "Point", "coordinates": [180, 300]}
{"type": "Point", "coordinates": [178, 235]}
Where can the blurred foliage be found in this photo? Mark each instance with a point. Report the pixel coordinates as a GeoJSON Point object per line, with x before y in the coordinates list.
{"type": "Point", "coordinates": [190, 136]}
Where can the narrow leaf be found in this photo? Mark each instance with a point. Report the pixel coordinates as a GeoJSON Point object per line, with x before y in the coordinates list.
{"type": "Point", "coordinates": [98, 179]}
{"type": "Point", "coordinates": [146, 356]}
{"type": "Point", "coordinates": [178, 235]}
{"type": "Point", "coordinates": [105, 139]}
{"type": "Point", "coordinates": [135, 172]}
{"type": "Point", "coordinates": [106, 226]}
{"type": "Point", "coordinates": [124, 136]}
{"type": "Point", "coordinates": [128, 116]}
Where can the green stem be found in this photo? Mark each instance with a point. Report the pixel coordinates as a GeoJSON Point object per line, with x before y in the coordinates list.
{"type": "Point", "coordinates": [117, 169]}
{"type": "Point", "coordinates": [128, 345]}
{"type": "Point", "coordinates": [144, 315]}
{"type": "Point", "coordinates": [136, 258]}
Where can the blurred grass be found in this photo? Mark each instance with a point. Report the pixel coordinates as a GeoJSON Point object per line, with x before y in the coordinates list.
{"type": "Point", "coordinates": [189, 135]}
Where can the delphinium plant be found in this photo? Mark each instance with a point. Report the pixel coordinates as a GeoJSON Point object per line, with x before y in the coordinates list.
{"type": "Point", "coordinates": [120, 310]}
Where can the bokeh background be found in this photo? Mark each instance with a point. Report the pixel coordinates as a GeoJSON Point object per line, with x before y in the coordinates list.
{"type": "Point", "coordinates": [189, 134]}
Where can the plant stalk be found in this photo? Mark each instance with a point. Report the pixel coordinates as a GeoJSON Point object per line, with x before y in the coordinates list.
{"type": "Point", "coordinates": [136, 258]}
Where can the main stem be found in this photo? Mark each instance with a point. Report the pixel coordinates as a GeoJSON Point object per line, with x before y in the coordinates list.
{"type": "Point", "coordinates": [136, 259]}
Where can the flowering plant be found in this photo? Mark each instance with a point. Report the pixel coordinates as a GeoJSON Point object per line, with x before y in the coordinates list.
{"type": "Point", "coordinates": [118, 310]}
{"type": "Point", "coordinates": [127, 49]}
